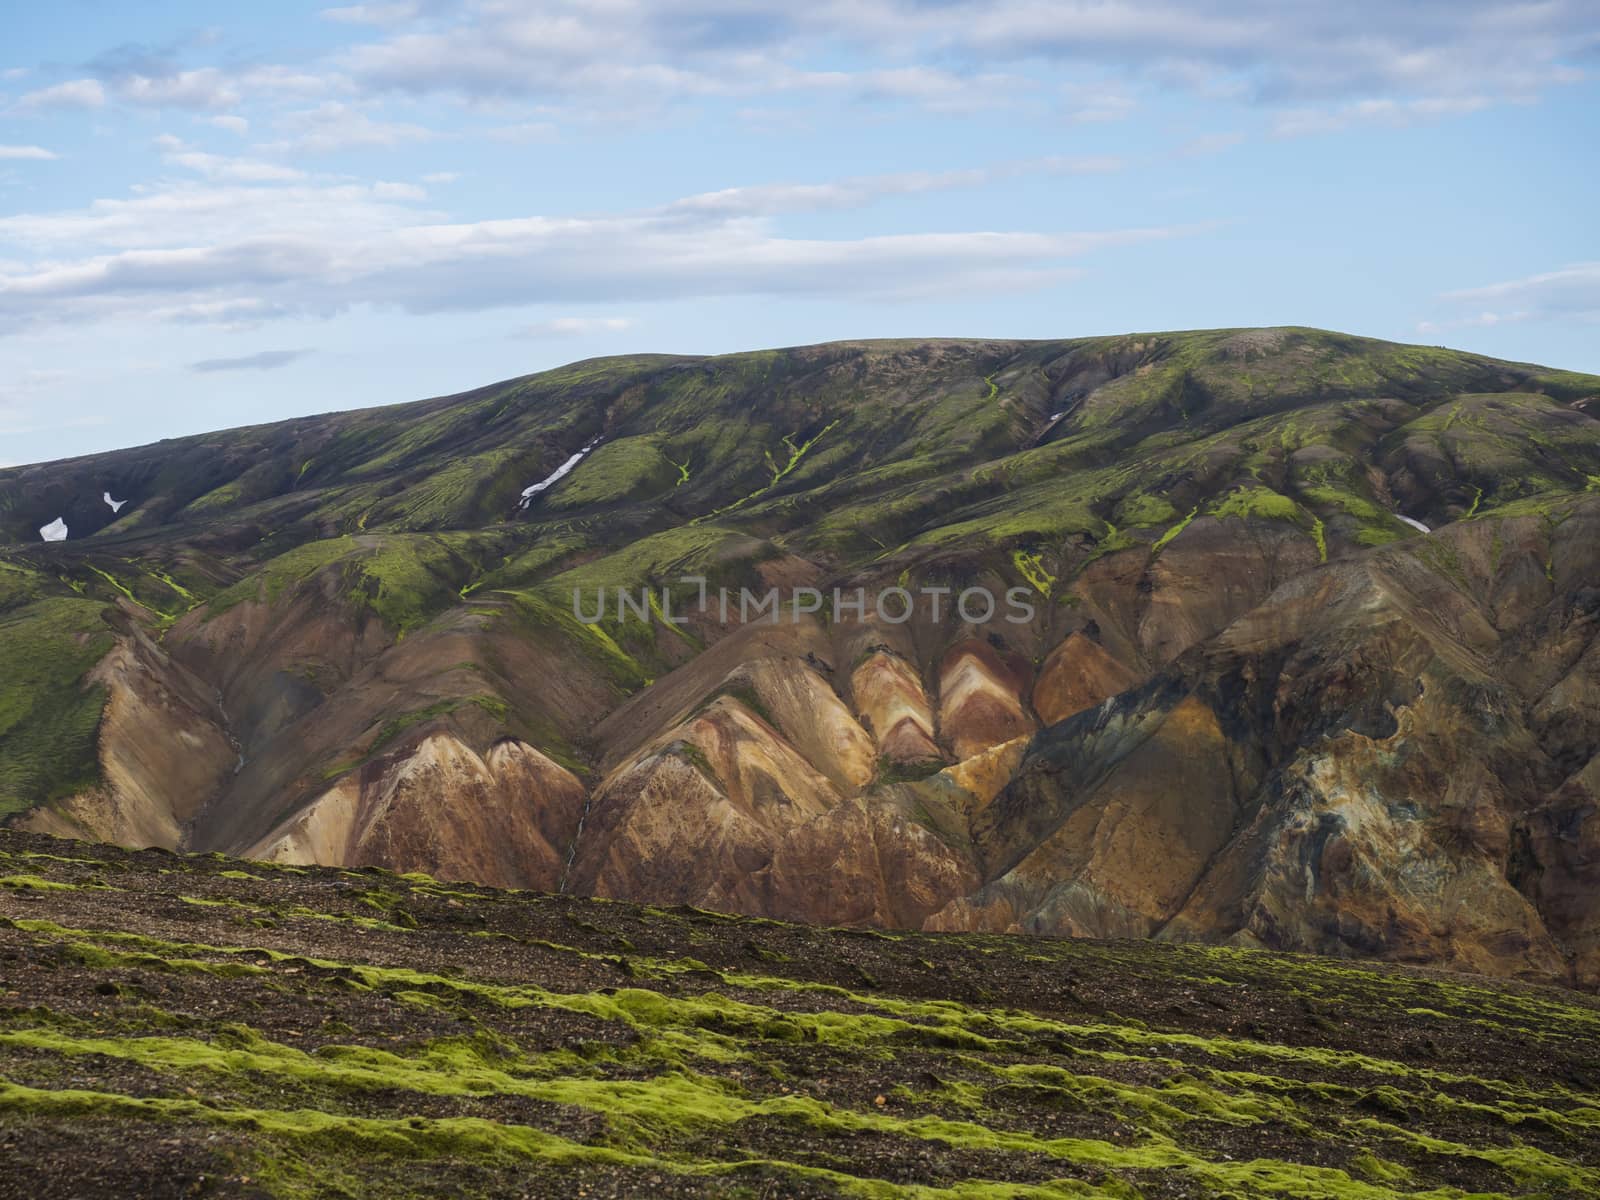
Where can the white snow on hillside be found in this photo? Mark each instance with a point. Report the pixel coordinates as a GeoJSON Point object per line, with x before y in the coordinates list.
{"type": "Point", "coordinates": [528, 493]}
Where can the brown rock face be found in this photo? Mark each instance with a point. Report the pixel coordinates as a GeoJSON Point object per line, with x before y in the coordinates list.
{"type": "Point", "coordinates": [980, 700]}
{"type": "Point", "coordinates": [770, 834]}
{"type": "Point", "coordinates": [1340, 770]}
{"type": "Point", "coordinates": [1078, 674]}
{"type": "Point", "coordinates": [890, 699]}
{"type": "Point", "coordinates": [502, 818]}
{"type": "Point", "coordinates": [1555, 860]}
{"type": "Point", "coordinates": [804, 705]}
{"type": "Point", "coordinates": [984, 776]}
{"type": "Point", "coordinates": [1122, 862]}
{"type": "Point", "coordinates": [153, 785]}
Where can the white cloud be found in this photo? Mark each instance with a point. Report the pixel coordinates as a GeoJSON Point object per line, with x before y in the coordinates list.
{"type": "Point", "coordinates": [223, 168]}
{"type": "Point", "coordinates": [372, 14]}
{"type": "Point", "coordinates": [1103, 164]}
{"type": "Point", "coordinates": [201, 90]}
{"type": "Point", "coordinates": [197, 213]}
{"type": "Point", "coordinates": [231, 315]}
{"type": "Point", "coordinates": [334, 126]}
{"type": "Point", "coordinates": [441, 177]}
{"type": "Point", "coordinates": [773, 120]}
{"type": "Point", "coordinates": [264, 360]}
{"type": "Point", "coordinates": [560, 327]}
{"type": "Point", "coordinates": [1094, 104]}
{"type": "Point", "coordinates": [206, 88]}
{"type": "Point", "coordinates": [76, 94]}
{"type": "Point", "coordinates": [1325, 66]}
{"type": "Point", "coordinates": [386, 190]}
{"type": "Point", "coordinates": [25, 152]}
{"type": "Point", "coordinates": [935, 89]}
{"type": "Point", "coordinates": [965, 53]}
{"type": "Point", "coordinates": [524, 132]}
{"type": "Point", "coordinates": [280, 82]}
{"type": "Point", "coordinates": [1483, 320]}
{"type": "Point", "coordinates": [232, 124]}
{"type": "Point", "coordinates": [628, 56]}
{"type": "Point", "coordinates": [1301, 122]}
{"type": "Point", "coordinates": [234, 252]}
{"type": "Point", "coordinates": [771, 199]}
{"type": "Point", "coordinates": [1210, 143]}
{"type": "Point", "coordinates": [1571, 291]}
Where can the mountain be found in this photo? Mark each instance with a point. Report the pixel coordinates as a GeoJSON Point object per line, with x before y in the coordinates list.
{"type": "Point", "coordinates": [185, 1026]}
{"type": "Point", "coordinates": [1294, 644]}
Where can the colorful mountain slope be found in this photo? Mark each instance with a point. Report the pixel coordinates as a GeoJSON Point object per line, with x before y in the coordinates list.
{"type": "Point", "coordinates": [1310, 661]}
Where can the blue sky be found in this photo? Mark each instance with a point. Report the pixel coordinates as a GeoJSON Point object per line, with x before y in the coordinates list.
{"type": "Point", "coordinates": [213, 215]}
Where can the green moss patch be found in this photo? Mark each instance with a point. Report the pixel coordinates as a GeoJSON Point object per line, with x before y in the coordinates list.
{"type": "Point", "coordinates": [49, 713]}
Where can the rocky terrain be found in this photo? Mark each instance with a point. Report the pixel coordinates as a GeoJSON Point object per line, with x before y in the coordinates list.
{"type": "Point", "coordinates": [177, 1026]}
{"type": "Point", "coordinates": [1310, 662]}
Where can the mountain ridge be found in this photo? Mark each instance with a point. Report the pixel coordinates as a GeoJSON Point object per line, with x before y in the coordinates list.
{"type": "Point", "coordinates": [1256, 702]}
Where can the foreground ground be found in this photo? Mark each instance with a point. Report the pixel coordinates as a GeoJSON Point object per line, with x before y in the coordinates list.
{"type": "Point", "coordinates": [174, 1026]}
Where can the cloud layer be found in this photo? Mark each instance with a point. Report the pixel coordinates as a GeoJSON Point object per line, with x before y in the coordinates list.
{"type": "Point", "coordinates": [248, 241]}
{"type": "Point", "coordinates": [1271, 50]}
{"type": "Point", "coordinates": [1570, 292]}
{"type": "Point", "coordinates": [176, 205]}
{"type": "Point", "coordinates": [1326, 65]}
{"type": "Point", "coordinates": [264, 360]}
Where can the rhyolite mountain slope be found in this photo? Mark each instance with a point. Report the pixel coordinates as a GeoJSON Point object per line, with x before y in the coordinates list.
{"type": "Point", "coordinates": [1312, 663]}
{"type": "Point", "coordinates": [178, 1026]}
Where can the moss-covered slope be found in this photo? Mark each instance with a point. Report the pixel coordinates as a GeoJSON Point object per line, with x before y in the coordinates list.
{"type": "Point", "coordinates": [179, 1026]}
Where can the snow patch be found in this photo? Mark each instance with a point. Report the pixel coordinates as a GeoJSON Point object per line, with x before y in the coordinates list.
{"type": "Point", "coordinates": [528, 493]}
{"type": "Point", "coordinates": [1414, 523]}
{"type": "Point", "coordinates": [114, 505]}
{"type": "Point", "coordinates": [56, 531]}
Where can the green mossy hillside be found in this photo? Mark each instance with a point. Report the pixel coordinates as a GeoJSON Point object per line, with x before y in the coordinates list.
{"type": "Point", "coordinates": [632, 469]}
{"type": "Point", "coordinates": [403, 580]}
{"type": "Point", "coordinates": [49, 712]}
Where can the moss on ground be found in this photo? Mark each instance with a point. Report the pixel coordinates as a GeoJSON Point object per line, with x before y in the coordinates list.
{"type": "Point", "coordinates": [1030, 564]}
{"type": "Point", "coordinates": [404, 580]}
{"type": "Point", "coordinates": [49, 713]}
{"type": "Point", "coordinates": [1173, 531]}
{"type": "Point", "coordinates": [1259, 502]}
{"type": "Point", "coordinates": [376, 1020]}
{"type": "Point", "coordinates": [626, 470]}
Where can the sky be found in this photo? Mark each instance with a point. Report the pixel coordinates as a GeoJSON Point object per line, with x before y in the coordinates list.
{"type": "Point", "coordinates": [217, 215]}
